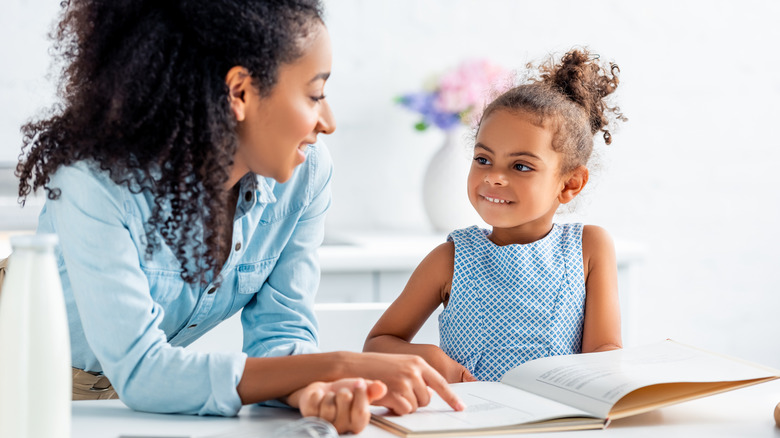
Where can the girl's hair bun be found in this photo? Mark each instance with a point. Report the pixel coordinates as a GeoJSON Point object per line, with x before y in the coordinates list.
{"type": "Point", "coordinates": [581, 78]}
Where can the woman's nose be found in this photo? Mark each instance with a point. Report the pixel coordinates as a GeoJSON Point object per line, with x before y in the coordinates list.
{"type": "Point", "coordinates": [327, 123]}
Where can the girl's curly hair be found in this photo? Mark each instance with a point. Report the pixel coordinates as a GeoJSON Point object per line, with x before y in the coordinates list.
{"type": "Point", "coordinates": [572, 95]}
{"type": "Point", "coordinates": [143, 96]}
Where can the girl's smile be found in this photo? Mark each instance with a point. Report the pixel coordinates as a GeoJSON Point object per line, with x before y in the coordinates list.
{"type": "Point", "coordinates": [495, 199]}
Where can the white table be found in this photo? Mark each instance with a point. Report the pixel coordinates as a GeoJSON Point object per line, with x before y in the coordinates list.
{"type": "Point", "coordinates": [745, 412]}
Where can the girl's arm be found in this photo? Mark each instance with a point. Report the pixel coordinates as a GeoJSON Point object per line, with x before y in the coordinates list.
{"type": "Point", "coordinates": [344, 403]}
{"type": "Point", "coordinates": [403, 319]}
{"type": "Point", "coordinates": [602, 308]}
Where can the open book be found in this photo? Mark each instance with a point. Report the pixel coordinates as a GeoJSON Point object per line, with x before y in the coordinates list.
{"type": "Point", "coordinates": [582, 391]}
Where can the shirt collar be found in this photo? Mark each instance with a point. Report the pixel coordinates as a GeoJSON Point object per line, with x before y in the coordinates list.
{"type": "Point", "coordinates": [263, 190]}
{"type": "Point", "coordinates": [254, 189]}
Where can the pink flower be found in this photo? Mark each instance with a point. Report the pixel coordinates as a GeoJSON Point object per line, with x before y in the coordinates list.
{"type": "Point", "coordinates": [459, 96]}
{"type": "Point", "coordinates": [467, 88]}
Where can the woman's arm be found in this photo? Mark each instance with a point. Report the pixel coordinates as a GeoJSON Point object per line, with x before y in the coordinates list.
{"type": "Point", "coordinates": [402, 320]}
{"type": "Point", "coordinates": [279, 319]}
{"type": "Point", "coordinates": [407, 377]}
{"type": "Point", "coordinates": [279, 322]}
{"type": "Point", "coordinates": [111, 309]}
{"type": "Point", "coordinates": [602, 308]}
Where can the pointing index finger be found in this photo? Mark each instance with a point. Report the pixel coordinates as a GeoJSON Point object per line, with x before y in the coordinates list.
{"type": "Point", "coordinates": [440, 385]}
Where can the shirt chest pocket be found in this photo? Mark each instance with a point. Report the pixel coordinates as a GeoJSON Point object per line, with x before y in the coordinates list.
{"type": "Point", "coordinates": [252, 276]}
{"type": "Point", "coordinates": [165, 286]}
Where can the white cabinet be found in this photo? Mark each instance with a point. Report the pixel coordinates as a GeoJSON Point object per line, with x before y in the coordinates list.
{"type": "Point", "coordinates": [376, 285]}
{"type": "Point", "coordinates": [348, 287]}
{"type": "Point", "coordinates": [382, 262]}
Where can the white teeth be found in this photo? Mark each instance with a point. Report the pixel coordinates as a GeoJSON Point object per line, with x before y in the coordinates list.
{"type": "Point", "coordinates": [496, 201]}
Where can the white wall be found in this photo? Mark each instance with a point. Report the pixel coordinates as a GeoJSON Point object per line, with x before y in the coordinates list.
{"type": "Point", "coordinates": [24, 86]}
{"type": "Point", "coordinates": [690, 175]}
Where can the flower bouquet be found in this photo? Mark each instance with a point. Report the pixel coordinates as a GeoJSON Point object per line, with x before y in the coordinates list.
{"type": "Point", "coordinates": [450, 100]}
{"type": "Point", "coordinates": [457, 96]}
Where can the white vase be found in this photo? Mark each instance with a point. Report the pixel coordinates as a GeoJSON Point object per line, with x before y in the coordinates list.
{"type": "Point", "coordinates": [444, 187]}
{"type": "Point", "coordinates": [35, 365]}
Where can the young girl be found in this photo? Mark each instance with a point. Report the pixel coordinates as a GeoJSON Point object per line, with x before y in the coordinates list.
{"type": "Point", "coordinates": [529, 287]}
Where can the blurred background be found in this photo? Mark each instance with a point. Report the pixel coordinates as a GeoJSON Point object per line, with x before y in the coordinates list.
{"type": "Point", "coordinates": [687, 184]}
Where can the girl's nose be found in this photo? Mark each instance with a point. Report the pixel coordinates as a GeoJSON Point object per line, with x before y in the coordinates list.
{"type": "Point", "coordinates": [495, 178]}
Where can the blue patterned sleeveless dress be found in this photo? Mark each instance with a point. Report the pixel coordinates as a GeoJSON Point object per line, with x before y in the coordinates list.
{"type": "Point", "coordinates": [514, 303]}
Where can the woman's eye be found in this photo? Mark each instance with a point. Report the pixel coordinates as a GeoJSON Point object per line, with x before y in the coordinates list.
{"type": "Point", "coordinates": [318, 98]}
{"type": "Point", "coordinates": [481, 160]}
{"type": "Point", "coordinates": [522, 168]}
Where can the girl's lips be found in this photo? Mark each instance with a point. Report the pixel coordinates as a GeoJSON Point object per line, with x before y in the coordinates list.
{"type": "Point", "coordinates": [495, 200]}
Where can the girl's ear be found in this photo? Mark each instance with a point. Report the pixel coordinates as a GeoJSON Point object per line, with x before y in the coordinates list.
{"type": "Point", "coordinates": [238, 81]}
{"type": "Point", "coordinates": [573, 184]}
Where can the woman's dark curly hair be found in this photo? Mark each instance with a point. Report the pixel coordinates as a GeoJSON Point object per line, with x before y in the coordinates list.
{"type": "Point", "coordinates": [571, 95]}
{"type": "Point", "coordinates": [144, 97]}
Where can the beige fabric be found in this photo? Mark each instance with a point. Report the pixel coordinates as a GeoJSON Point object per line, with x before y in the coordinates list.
{"type": "Point", "coordinates": [88, 386]}
{"type": "Point", "coordinates": [3, 266]}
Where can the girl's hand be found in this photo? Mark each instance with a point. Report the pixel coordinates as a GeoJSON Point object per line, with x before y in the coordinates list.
{"type": "Point", "coordinates": [344, 403]}
{"type": "Point", "coordinates": [407, 378]}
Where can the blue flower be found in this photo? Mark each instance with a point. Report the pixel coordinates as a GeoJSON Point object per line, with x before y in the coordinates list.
{"type": "Point", "coordinates": [424, 103]}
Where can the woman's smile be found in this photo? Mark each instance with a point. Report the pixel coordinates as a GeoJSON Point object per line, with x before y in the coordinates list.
{"type": "Point", "coordinates": [302, 151]}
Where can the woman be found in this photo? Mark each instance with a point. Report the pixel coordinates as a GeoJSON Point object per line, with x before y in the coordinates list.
{"type": "Point", "coordinates": [183, 188]}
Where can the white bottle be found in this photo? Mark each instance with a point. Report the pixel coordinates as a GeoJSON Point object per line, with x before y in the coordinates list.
{"type": "Point", "coordinates": [35, 363]}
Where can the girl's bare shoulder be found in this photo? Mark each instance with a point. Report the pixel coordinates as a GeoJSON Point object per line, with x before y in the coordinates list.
{"type": "Point", "coordinates": [440, 260]}
{"type": "Point", "coordinates": [597, 245]}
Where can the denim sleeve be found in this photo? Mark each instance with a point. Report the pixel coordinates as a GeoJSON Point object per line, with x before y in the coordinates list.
{"type": "Point", "coordinates": [120, 319]}
{"type": "Point", "coordinates": [279, 320]}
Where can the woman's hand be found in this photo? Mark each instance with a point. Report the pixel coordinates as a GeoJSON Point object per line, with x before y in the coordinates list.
{"type": "Point", "coordinates": [344, 403]}
{"type": "Point", "coordinates": [451, 370]}
{"type": "Point", "coordinates": [407, 378]}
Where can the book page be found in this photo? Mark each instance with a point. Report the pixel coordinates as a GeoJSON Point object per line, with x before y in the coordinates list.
{"type": "Point", "coordinates": [594, 382]}
{"type": "Point", "coordinates": [489, 405]}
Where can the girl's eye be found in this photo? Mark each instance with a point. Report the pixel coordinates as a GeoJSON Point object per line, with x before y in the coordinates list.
{"type": "Point", "coordinates": [522, 167]}
{"type": "Point", "coordinates": [481, 160]}
{"type": "Point", "coordinates": [318, 98]}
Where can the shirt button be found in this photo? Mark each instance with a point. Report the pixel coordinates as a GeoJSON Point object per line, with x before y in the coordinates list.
{"type": "Point", "coordinates": [238, 246]}
{"type": "Point", "coordinates": [193, 326]}
{"type": "Point", "coordinates": [212, 290]}
{"type": "Point", "coordinates": [248, 196]}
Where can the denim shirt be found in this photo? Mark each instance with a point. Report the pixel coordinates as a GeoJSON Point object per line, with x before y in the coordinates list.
{"type": "Point", "coordinates": [131, 316]}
